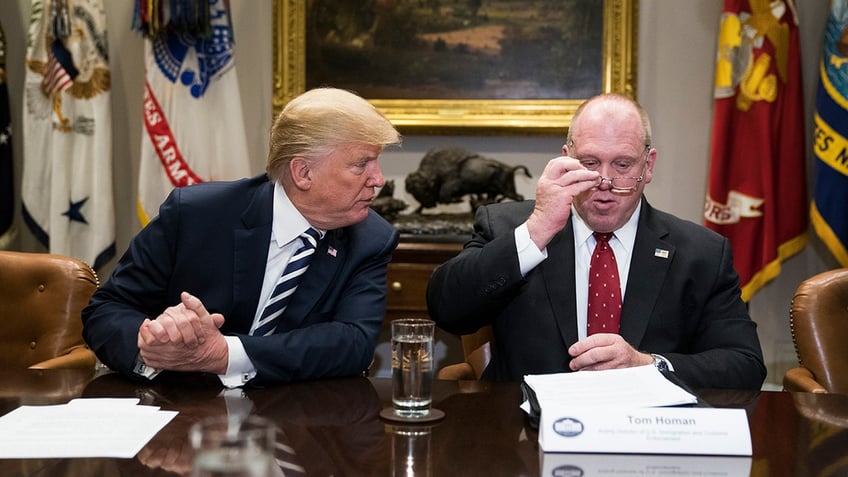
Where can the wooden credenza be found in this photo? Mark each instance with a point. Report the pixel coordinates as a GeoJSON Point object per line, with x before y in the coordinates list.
{"type": "Point", "coordinates": [412, 264]}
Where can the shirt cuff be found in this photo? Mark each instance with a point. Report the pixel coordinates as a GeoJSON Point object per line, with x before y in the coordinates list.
{"type": "Point", "coordinates": [529, 254]}
{"type": "Point", "coordinates": [144, 370]}
{"type": "Point", "coordinates": [240, 369]}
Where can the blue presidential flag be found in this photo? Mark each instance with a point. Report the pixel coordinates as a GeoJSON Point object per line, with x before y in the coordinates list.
{"type": "Point", "coordinates": [828, 211]}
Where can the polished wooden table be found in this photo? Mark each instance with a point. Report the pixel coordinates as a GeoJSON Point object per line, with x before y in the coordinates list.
{"type": "Point", "coordinates": [334, 428]}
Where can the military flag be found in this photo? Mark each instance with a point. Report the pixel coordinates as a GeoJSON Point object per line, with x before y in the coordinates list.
{"type": "Point", "coordinates": [67, 168]}
{"type": "Point", "coordinates": [828, 211]}
{"type": "Point", "coordinates": [193, 123]}
{"type": "Point", "coordinates": [757, 195]}
{"type": "Point", "coordinates": [7, 178]}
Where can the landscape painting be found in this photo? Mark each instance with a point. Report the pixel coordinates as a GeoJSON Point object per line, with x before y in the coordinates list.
{"type": "Point", "coordinates": [435, 64]}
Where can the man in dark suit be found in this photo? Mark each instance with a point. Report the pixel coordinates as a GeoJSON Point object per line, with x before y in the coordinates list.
{"type": "Point", "coordinates": [192, 288]}
{"type": "Point", "coordinates": [526, 270]}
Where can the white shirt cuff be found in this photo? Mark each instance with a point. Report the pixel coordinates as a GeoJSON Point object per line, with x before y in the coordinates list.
{"type": "Point", "coordinates": [529, 254]}
{"type": "Point", "coordinates": [240, 369]}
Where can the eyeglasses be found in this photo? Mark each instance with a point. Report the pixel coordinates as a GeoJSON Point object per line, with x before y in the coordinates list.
{"type": "Point", "coordinates": [623, 183]}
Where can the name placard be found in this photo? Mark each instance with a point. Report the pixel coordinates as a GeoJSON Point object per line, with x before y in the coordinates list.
{"type": "Point", "coordinates": [645, 430]}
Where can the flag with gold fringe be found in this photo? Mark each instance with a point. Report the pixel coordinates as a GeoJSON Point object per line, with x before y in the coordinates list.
{"type": "Point", "coordinates": [828, 211]}
{"type": "Point", "coordinates": [193, 124]}
{"type": "Point", "coordinates": [7, 178]}
{"type": "Point", "coordinates": [757, 193]}
{"type": "Point", "coordinates": [66, 189]}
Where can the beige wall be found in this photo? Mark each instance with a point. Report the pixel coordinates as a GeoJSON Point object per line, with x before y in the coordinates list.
{"type": "Point", "coordinates": [675, 64]}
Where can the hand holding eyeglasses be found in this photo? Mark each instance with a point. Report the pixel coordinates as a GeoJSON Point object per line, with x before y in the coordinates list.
{"type": "Point", "coordinates": [563, 179]}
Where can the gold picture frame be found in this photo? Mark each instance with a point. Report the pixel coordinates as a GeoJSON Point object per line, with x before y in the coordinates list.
{"type": "Point", "coordinates": [471, 116]}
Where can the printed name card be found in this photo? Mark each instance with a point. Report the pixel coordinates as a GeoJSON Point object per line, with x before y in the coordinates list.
{"type": "Point", "coordinates": [646, 430]}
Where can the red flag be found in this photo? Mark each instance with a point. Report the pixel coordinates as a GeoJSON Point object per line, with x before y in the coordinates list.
{"type": "Point", "coordinates": [757, 191]}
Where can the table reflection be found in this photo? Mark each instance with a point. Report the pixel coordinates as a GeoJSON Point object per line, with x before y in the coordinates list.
{"type": "Point", "coordinates": [332, 427]}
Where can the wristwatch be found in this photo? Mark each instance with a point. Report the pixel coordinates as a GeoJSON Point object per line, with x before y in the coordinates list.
{"type": "Point", "coordinates": [661, 363]}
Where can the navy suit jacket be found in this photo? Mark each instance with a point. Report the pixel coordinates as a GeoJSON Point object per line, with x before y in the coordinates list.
{"type": "Point", "coordinates": [212, 240]}
{"type": "Point", "coordinates": [684, 305]}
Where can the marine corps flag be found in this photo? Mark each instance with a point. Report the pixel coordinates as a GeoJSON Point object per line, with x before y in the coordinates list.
{"type": "Point", "coordinates": [829, 211]}
{"type": "Point", "coordinates": [756, 195]}
{"type": "Point", "coordinates": [193, 123]}
{"type": "Point", "coordinates": [67, 168]}
{"type": "Point", "coordinates": [7, 198]}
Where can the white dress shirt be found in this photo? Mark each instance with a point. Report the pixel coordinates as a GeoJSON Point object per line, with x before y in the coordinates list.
{"type": "Point", "coordinates": [529, 256]}
{"type": "Point", "coordinates": [288, 224]}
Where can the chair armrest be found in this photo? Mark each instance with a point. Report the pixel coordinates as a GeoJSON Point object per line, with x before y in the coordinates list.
{"type": "Point", "coordinates": [801, 379]}
{"type": "Point", "coordinates": [79, 357]}
{"type": "Point", "coordinates": [457, 372]}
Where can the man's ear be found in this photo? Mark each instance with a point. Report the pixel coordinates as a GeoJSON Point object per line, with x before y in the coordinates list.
{"type": "Point", "coordinates": [301, 173]}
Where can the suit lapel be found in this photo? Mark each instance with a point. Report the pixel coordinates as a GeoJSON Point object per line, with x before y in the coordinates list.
{"type": "Point", "coordinates": [250, 255]}
{"type": "Point", "coordinates": [649, 265]}
{"type": "Point", "coordinates": [558, 276]}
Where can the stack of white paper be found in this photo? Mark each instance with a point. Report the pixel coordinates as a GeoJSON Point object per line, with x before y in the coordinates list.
{"type": "Point", "coordinates": [641, 386]}
{"type": "Point", "coordinates": [81, 428]}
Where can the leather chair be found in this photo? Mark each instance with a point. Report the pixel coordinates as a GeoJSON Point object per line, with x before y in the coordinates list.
{"type": "Point", "coordinates": [818, 318]}
{"type": "Point", "coordinates": [41, 300]}
{"type": "Point", "coordinates": [477, 349]}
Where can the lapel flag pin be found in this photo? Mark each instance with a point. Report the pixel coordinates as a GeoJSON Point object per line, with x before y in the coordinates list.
{"type": "Point", "coordinates": [332, 251]}
{"type": "Point", "coordinates": [658, 252]}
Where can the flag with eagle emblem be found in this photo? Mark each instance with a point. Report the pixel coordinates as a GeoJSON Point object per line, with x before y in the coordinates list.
{"type": "Point", "coordinates": [66, 189]}
{"type": "Point", "coordinates": [193, 123]}
{"type": "Point", "coordinates": [830, 176]}
{"type": "Point", "coordinates": [757, 189]}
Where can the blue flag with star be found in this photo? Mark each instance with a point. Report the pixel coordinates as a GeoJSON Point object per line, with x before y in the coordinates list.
{"type": "Point", "coordinates": [66, 189]}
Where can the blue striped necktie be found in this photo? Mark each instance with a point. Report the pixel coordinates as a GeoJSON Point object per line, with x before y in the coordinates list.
{"type": "Point", "coordinates": [286, 284]}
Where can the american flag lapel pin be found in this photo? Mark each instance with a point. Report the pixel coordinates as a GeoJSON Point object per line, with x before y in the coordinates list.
{"type": "Point", "coordinates": [331, 251]}
{"type": "Point", "coordinates": [658, 252]}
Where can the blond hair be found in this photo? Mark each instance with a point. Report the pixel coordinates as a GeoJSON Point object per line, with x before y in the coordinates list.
{"type": "Point", "coordinates": [318, 121]}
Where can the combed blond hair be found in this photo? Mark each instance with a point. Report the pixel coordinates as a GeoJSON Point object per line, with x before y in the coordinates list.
{"type": "Point", "coordinates": [318, 121]}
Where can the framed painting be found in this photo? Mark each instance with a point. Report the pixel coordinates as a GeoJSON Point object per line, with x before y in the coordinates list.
{"type": "Point", "coordinates": [461, 66]}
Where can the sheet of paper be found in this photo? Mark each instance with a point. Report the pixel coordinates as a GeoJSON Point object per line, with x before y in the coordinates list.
{"type": "Point", "coordinates": [81, 428]}
{"type": "Point", "coordinates": [641, 386]}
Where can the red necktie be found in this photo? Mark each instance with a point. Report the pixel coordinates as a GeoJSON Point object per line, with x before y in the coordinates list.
{"type": "Point", "coordinates": [604, 312]}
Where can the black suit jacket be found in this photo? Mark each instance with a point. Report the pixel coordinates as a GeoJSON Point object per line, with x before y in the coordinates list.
{"type": "Point", "coordinates": [685, 306]}
{"type": "Point", "coordinates": [212, 240]}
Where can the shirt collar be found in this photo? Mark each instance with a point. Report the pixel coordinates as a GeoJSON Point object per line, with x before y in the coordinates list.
{"type": "Point", "coordinates": [288, 222]}
{"type": "Point", "coordinates": [626, 234]}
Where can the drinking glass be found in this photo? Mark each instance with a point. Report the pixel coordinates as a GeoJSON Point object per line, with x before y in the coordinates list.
{"type": "Point", "coordinates": [232, 446]}
{"type": "Point", "coordinates": [412, 366]}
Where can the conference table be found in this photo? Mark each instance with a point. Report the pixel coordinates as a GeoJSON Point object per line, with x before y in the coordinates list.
{"type": "Point", "coordinates": [334, 428]}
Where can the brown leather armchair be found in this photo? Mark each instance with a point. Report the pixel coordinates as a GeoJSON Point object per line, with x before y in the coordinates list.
{"type": "Point", "coordinates": [41, 299]}
{"type": "Point", "coordinates": [818, 318]}
{"type": "Point", "coordinates": [477, 349]}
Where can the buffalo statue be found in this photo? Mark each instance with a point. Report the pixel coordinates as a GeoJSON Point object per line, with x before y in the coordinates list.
{"type": "Point", "coordinates": [447, 175]}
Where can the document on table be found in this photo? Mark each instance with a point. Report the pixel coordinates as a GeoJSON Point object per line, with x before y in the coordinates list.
{"type": "Point", "coordinates": [86, 427]}
{"type": "Point", "coordinates": [641, 386]}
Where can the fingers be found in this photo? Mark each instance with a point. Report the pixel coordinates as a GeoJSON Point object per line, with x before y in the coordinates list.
{"type": "Point", "coordinates": [603, 351]}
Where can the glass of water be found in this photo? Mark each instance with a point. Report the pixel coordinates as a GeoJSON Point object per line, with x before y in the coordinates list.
{"type": "Point", "coordinates": [412, 366]}
{"type": "Point", "coordinates": [232, 446]}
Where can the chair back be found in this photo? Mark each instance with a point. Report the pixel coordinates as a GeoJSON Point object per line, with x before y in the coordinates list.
{"type": "Point", "coordinates": [477, 351]}
{"type": "Point", "coordinates": [41, 300]}
{"type": "Point", "coordinates": [818, 318]}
